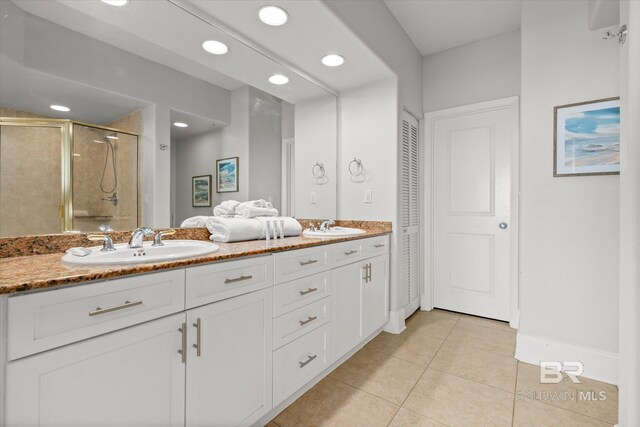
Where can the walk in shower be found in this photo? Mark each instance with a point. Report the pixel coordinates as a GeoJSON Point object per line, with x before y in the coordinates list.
{"type": "Point", "coordinates": [63, 176]}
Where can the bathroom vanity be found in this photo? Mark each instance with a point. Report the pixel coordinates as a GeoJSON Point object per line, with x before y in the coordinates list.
{"type": "Point", "coordinates": [230, 342]}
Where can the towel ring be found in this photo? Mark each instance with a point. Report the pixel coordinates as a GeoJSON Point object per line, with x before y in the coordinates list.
{"type": "Point", "coordinates": [358, 167]}
{"type": "Point", "coordinates": [318, 170]}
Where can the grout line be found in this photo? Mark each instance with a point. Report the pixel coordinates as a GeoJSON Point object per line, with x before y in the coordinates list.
{"type": "Point", "coordinates": [473, 381]}
{"type": "Point", "coordinates": [515, 390]}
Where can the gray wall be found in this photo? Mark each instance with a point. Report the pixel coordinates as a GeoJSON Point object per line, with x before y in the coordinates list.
{"type": "Point", "coordinates": [481, 71]}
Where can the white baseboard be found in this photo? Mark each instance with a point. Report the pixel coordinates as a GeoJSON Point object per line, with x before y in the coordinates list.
{"type": "Point", "coordinates": [598, 365]}
{"type": "Point", "coordinates": [514, 322]}
{"type": "Point", "coordinates": [395, 325]}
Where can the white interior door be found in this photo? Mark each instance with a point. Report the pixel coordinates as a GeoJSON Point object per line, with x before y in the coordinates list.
{"type": "Point", "coordinates": [473, 213]}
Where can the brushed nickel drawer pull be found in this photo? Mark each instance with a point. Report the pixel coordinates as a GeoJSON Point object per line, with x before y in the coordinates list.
{"type": "Point", "coordinates": [198, 345]}
{"type": "Point", "coordinates": [309, 360]}
{"type": "Point", "coordinates": [309, 319]}
{"type": "Point", "coordinates": [127, 304]}
{"type": "Point", "coordinates": [308, 291]}
{"type": "Point", "coordinates": [380, 245]}
{"type": "Point", "coordinates": [183, 349]}
{"type": "Point", "coordinates": [311, 261]}
{"type": "Point", "coordinates": [351, 252]}
{"type": "Point", "coordinates": [237, 279]}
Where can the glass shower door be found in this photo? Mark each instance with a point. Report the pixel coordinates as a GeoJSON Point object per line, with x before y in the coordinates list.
{"type": "Point", "coordinates": [31, 179]}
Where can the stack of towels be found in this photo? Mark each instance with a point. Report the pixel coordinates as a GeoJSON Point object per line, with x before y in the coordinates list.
{"type": "Point", "coordinates": [234, 221]}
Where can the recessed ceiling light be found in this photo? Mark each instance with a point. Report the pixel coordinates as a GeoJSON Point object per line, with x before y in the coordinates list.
{"type": "Point", "coordinates": [60, 108]}
{"type": "Point", "coordinates": [180, 124]}
{"type": "Point", "coordinates": [115, 2]}
{"type": "Point", "coordinates": [333, 60]}
{"type": "Point", "coordinates": [279, 79]}
{"type": "Point", "coordinates": [215, 47]}
{"type": "Point", "coordinates": [273, 15]}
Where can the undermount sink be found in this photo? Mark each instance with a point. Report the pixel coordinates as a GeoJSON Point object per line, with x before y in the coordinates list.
{"type": "Point", "coordinates": [334, 232]}
{"type": "Point", "coordinates": [171, 250]}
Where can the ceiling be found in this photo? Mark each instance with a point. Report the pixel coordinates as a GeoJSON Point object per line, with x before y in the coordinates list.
{"type": "Point", "coordinates": [311, 32]}
{"type": "Point", "coordinates": [437, 25]}
{"type": "Point", "coordinates": [197, 125]}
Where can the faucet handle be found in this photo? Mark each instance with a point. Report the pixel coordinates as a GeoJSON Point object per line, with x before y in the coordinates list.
{"type": "Point", "coordinates": [107, 243]}
{"type": "Point", "coordinates": [105, 228]}
{"type": "Point", "coordinates": [148, 232]}
{"type": "Point", "coordinates": [157, 240]}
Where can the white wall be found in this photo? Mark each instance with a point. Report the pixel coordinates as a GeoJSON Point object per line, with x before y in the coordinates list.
{"type": "Point", "coordinates": [367, 132]}
{"type": "Point", "coordinates": [569, 231]}
{"type": "Point", "coordinates": [629, 412]}
{"type": "Point", "coordinates": [482, 71]}
{"type": "Point", "coordinates": [265, 147]}
{"type": "Point", "coordinates": [315, 141]}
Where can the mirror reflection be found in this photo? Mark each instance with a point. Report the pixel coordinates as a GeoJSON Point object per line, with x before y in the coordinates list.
{"type": "Point", "coordinates": [121, 117]}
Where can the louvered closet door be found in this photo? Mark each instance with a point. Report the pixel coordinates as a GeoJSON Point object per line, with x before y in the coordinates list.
{"type": "Point", "coordinates": [410, 216]}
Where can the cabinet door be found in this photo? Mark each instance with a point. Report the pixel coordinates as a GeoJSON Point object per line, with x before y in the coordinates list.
{"type": "Point", "coordinates": [375, 295]}
{"type": "Point", "coordinates": [347, 307]}
{"type": "Point", "coordinates": [229, 382]}
{"type": "Point", "coordinates": [126, 378]}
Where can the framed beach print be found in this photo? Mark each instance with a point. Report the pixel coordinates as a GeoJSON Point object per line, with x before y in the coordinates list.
{"type": "Point", "coordinates": [201, 191]}
{"type": "Point", "coordinates": [227, 175]}
{"type": "Point", "coordinates": [586, 138]}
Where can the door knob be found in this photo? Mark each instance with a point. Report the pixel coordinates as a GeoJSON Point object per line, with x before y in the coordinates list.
{"type": "Point", "coordinates": [503, 225]}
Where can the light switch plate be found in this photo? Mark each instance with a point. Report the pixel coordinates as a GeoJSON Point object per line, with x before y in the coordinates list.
{"type": "Point", "coordinates": [368, 196]}
{"type": "Point", "coordinates": [314, 197]}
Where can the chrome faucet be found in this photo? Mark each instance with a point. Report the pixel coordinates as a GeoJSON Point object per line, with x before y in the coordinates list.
{"type": "Point", "coordinates": [326, 225]}
{"type": "Point", "coordinates": [157, 240]}
{"type": "Point", "coordinates": [107, 243]}
{"type": "Point", "coordinates": [137, 237]}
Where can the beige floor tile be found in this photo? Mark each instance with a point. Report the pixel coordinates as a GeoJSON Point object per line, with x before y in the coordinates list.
{"type": "Point", "coordinates": [459, 402]}
{"type": "Point", "coordinates": [489, 323]}
{"type": "Point", "coordinates": [484, 338]}
{"type": "Point", "coordinates": [433, 323]}
{"type": "Point", "coordinates": [536, 414]}
{"type": "Point", "coordinates": [382, 375]}
{"type": "Point", "coordinates": [568, 395]}
{"type": "Point", "coordinates": [486, 367]}
{"type": "Point", "coordinates": [414, 346]}
{"type": "Point", "coordinates": [272, 424]}
{"type": "Point", "coordinates": [406, 418]}
{"type": "Point", "coordinates": [332, 403]}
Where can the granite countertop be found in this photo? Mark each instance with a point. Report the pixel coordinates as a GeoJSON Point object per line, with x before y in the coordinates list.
{"type": "Point", "coordinates": [37, 272]}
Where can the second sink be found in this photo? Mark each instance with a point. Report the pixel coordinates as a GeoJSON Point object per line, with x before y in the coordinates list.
{"type": "Point", "coordinates": [334, 232]}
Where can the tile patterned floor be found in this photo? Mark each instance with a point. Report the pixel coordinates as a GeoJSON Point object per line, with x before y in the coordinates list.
{"type": "Point", "coordinates": [447, 369]}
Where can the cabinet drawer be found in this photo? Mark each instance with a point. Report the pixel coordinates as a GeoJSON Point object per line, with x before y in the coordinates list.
{"type": "Point", "coordinates": [290, 326]}
{"type": "Point", "coordinates": [215, 282]}
{"type": "Point", "coordinates": [291, 295]}
{"type": "Point", "coordinates": [298, 362]}
{"type": "Point", "coordinates": [300, 263]}
{"type": "Point", "coordinates": [347, 252]}
{"type": "Point", "coordinates": [45, 320]}
{"type": "Point", "coordinates": [375, 246]}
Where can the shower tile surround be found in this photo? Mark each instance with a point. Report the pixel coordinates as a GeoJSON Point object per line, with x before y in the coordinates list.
{"type": "Point", "coordinates": [33, 262]}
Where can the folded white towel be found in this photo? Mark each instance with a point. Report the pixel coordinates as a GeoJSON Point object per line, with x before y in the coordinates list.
{"type": "Point", "coordinates": [194, 222]}
{"type": "Point", "coordinates": [250, 209]}
{"type": "Point", "coordinates": [291, 226]}
{"type": "Point", "coordinates": [233, 229]}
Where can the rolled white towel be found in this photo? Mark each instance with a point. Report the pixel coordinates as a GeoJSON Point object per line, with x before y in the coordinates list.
{"type": "Point", "coordinates": [233, 229]}
{"type": "Point", "coordinates": [291, 226]}
{"type": "Point", "coordinates": [226, 208]}
{"type": "Point", "coordinates": [194, 222]}
{"type": "Point", "coordinates": [245, 210]}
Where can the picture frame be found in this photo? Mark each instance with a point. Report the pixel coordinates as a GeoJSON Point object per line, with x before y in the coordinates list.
{"type": "Point", "coordinates": [201, 191]}
{"type": "Point", "coordinates": [586, 138]}
{"type": "Point", "coordinates": [227, 174]}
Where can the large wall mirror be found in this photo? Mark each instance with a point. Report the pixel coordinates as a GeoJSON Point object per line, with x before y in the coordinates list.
{"type": "Point", "coordinates": [118, 115]}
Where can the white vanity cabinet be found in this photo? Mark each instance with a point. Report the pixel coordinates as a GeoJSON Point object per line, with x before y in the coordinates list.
{"type": "Point", "coordinates": [221, 344]}
{"type": "Point", "coordinates": [361, 294]}
{"type": "Point", "coordinates": [229, 361]}
{"type": "Point", "coordinates": [126, 378]}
